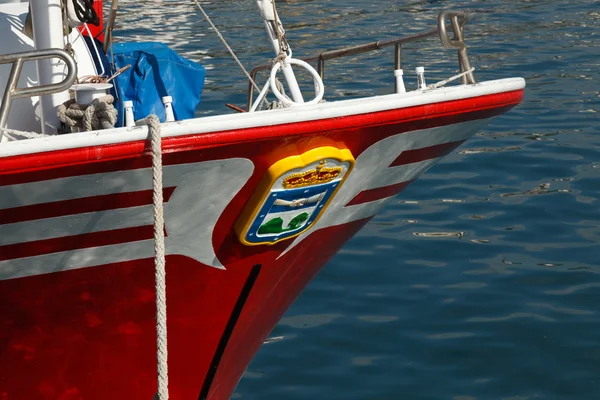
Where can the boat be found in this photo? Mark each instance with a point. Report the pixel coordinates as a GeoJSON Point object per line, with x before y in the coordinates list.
{"type": "Point", "coordinates": [145, 251]}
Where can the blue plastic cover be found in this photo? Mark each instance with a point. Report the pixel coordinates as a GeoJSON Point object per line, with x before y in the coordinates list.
{"type": "Point", "coordinates": [156, 71]}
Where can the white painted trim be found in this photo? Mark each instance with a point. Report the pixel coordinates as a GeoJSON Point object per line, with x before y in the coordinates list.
{"type": "Point", "coordinates": [227, 122]}
{"type": "Point", "coordinates": [203, 191]}
{"type": "Point", "coordinates": [373, 170]}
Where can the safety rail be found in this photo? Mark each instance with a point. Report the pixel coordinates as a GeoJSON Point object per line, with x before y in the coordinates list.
{"type": "Point", "coordinates": [11, 92]}
{"type": "Point", "coordinates": [457, 20]}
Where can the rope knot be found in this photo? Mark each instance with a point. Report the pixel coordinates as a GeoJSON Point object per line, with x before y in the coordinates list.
{"type": "Point", "coordinates": [100, 114]}
{"type": "Point", "coordinates": [281, 57]}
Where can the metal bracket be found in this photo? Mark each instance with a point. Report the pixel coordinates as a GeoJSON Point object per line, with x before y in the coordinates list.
{"type": "Point", "coordinates": [458, 21]}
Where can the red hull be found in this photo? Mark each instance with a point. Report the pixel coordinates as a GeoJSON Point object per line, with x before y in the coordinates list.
{"type": "Point", "coordinates": [89, 333]}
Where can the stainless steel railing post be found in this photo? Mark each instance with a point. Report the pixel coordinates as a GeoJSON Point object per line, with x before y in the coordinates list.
{"type": "Point", "coordinates": [12, 92]}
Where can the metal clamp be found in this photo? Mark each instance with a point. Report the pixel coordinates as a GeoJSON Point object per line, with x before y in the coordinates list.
{"type": "Point", "coordinates": [458, 21]}
{"type": "Point", "coordinates": [11, 92]}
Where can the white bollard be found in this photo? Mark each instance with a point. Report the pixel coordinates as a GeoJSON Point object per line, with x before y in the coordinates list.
{"type": "Point", "coordinates": [421, 78]}
{"type": "Point", "coordinates": [85, 93]}
{"type": "Point", "coordinates": [129, 119]}
{"type": "Point", "coordinates": [167, 101]}
{"type": "Point", "coordinates": [400, 88]}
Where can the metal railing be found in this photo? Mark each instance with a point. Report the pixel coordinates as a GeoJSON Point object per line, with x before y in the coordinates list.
{"type": "Point", "coordinates": [11, 92]}
{"type": "Point", "coordinates": [457, 20]}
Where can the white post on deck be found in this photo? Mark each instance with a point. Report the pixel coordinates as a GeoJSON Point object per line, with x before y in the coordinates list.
{"type": "Point", "coordinates": [272, 22]}
{"type": "Point", "coordinates": [46, 18]}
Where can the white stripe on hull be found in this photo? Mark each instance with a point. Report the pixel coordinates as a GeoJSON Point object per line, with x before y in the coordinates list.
{"type": "Point", "coordinates": [203, 191]}
{"type": "Point", "coordinates": [77, 224]}
{"type": "Point", "coordinates": [75, 259]}
{"type": "Point", "coordinates": [76, 187]}
{"type": "Point", "coordinates": [136, 180]}
{"type": "Point", "coordinates": [384, 176]}
{"type": "Point", "coordinates": [372, 171]}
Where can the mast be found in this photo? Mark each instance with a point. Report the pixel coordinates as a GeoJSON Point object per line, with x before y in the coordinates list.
{"type": "Point", "coordinates": [46, 18]}
{"type": "Point", "coordinates": [273, 25]}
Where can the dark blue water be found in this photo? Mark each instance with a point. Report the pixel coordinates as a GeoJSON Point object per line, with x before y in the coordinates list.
{"type": "Point", "coordinates": [482, 279]}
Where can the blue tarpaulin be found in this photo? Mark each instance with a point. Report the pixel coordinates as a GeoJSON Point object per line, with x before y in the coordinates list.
{"type": "Point", "coordinates": [156, 71]}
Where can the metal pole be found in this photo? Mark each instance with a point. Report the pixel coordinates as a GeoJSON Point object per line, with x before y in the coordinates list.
{"type": "Point", "coordinates": [397, 65]}
{"type": "Point", "coordinates": [321, 68]}
{"type": "Point", "coordinates": [463, 58]}
{"type": "Point", "coordinates": [398, 56]}
{"type": "Point", "coordinates": [272, 23]}
{"type": "Point", "coordinates": [11, 84]}
{"type": "Point", "coordinates": [12, 92]}
{"type": "Point", "coordinates": [458, 21]}
{"type": "Point", "coordinates": [47, 24]}
{"type": "Point", "coordinates": [110, 24]}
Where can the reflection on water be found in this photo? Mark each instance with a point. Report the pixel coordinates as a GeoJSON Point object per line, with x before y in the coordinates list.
{"type": "Point", "coordinates": [482, 279]}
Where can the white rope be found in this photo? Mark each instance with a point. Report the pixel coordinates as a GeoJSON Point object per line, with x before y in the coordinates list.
{"type": "Point", "coordinates": [100, 114]}
{"type": "Point", "coordinates": [14, 134]}
{"type": "Point", "coordinates": [445, 81]}
{"type": "Point", "coordinates": [159, 257]}
{"type": "Point", "coordinates": [226, 45]}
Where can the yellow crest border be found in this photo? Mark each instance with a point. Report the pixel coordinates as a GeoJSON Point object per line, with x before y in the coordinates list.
{"type": "Point", "coordinates": [274, 173]}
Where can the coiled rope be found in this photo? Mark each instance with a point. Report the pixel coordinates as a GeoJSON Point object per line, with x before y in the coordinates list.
{"type": "Point", "coordinates": [153, 124]}
{"type": "Point", "coordinates": [100, 114]}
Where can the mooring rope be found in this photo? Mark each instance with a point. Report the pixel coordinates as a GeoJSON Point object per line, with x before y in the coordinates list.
{"type": "Point", "coordinates": [453, 78]}
{"type": "Point", "coordinates": [154, 130]}
{"type": "Point", "coordinates": [153, 124]}
{"type": "Point", "coordinates": [13, 134]}
{"type": "Point", "coordinates": [100, 114]}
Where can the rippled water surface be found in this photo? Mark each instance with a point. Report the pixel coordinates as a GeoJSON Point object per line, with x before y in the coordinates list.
{"type": "Point", "coordinates": [482, 279]}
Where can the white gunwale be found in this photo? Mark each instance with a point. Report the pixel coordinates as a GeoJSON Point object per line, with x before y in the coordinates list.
{"type": "Point", "coordinates": [227, 122]}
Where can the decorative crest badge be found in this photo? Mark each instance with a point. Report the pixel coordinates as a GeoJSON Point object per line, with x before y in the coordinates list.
{"type": "Point", "coordinates": [292, 195]}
